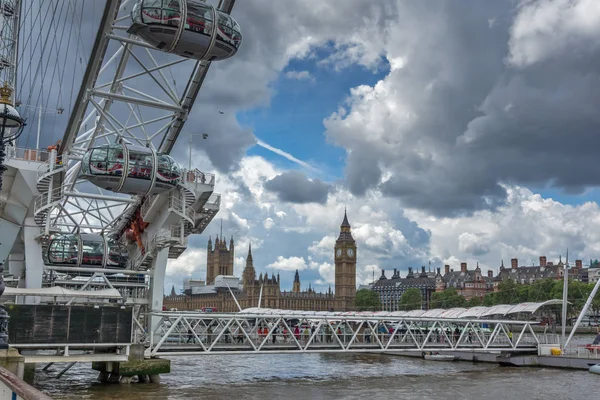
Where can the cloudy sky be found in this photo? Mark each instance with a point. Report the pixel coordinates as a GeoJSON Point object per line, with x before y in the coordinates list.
{"type": "Point", "coordinates": [452, 131]}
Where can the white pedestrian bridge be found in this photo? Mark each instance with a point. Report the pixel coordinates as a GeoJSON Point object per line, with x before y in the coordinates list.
{"type": "Point", "coordinates": [501, 328]}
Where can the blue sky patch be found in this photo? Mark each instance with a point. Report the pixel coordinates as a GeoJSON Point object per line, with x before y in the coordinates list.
{"type": "Point", "coordinates": [294, 120]}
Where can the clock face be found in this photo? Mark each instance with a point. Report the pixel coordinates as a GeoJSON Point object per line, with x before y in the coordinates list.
{"type": "Point", "coordinates": [338, 252]}
{"type": "Point", "coordinates": [350, 252]}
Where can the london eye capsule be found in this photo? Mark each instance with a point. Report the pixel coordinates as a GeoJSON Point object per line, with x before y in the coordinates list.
{"type": "Point", "coordinates": [188, 28]}
{"type": "Point", "coordinates": [130, 169]}
{"type": "Point", "coordinates": [86, 250]}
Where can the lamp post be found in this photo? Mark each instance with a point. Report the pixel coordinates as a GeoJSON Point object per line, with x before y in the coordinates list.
{"type": "Point", "coordinates": [204, 136]}
{"type": "Point", "coordinates": [11, 126]}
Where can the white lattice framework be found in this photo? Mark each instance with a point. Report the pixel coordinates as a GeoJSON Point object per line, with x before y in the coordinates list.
{"type": "Point", "coordinates": [131, 92]}
{"type": "Point", "coordinates": [209, 333]}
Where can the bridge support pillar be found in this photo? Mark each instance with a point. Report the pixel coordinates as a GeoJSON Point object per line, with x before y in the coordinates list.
{"type": "Point", "coordinates": [147, 370]}
{"type": "Point", "coordinates": [34, 263]}
{"type": "Point", "coordinates": [157, 283]}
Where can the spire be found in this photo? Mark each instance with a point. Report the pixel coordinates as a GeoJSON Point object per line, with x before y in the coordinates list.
{"type": "Point", "coordinates": [345, 222]}
{"type": "Point", "coordinates": [345, 234]}
{"type": "Point", "coordinates": [231, 241]}
{"type": "Point", "coordinates": [222, 228]}
{"type": "Point", "coordinates": [173, 290]}
{"type": "Point", "coordinates": [249, 257]}
{"type": "Point", "coordinates": [296, 284]}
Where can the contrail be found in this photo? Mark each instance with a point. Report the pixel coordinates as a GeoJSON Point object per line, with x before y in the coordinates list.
{"type": "Point", "coordinates": [285, 155]}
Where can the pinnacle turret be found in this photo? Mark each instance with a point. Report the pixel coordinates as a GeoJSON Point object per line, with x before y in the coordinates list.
{"type": "Point", "coordinates": [249, 257]}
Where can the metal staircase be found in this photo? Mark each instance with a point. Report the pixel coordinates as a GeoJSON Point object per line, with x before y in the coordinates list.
{"type": "Point", "coordinates": [49, 180]}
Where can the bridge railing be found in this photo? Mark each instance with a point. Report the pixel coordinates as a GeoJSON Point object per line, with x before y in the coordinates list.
{"type": "Point", "coordinates": [189, 333]}
{"type": "Point", "coordinates": [581, 352]}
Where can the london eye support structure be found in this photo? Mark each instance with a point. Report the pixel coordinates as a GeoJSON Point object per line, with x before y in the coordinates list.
{"type": "Point", "coordinates": [112, 205]}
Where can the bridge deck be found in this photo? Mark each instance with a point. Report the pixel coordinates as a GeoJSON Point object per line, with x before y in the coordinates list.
{"type": "Point", "coordinates": [204, 333]}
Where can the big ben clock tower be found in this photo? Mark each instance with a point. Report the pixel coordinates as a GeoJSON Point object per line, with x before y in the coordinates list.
{"type": "Point", "coordinates": [345, 268]}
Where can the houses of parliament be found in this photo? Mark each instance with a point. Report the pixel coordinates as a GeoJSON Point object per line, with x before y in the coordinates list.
{"type": "Point", "coordinates": [220, 283]}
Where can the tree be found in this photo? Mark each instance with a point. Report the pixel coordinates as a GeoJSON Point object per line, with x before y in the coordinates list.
{"type": "Point", "coordinates": [490, 299]}
{"type": "Point", "coordinates": [474, 302]}
{"type": "Point", "coordinates": [367, 300]}
{"type": "Point", "coordinates": [449, 298]}
{"type": "Point", "coordinates": [507, 292]}
{"type": "Point", "coordinates": [411, 299]}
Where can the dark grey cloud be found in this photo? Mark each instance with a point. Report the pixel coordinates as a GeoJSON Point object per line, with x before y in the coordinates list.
{"type": "Point", "coordinates": [468, 118]}
{"type": "Point", "coordinates": [295, 187]}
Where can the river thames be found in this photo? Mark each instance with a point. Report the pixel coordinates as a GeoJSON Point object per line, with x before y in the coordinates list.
{"type": "Point", "coordinates": [328, 376]}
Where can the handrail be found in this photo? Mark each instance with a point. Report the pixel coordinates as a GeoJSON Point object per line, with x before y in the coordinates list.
{"type": "Point", "coordinates": [42, 200]}
{"type": "Point", "coordinates": [179, 206]}
{"type": "Point", "coordinates": [19, 387]}
{"type": "Point", "coordinates": [45, 167]}
{"type": "Point", "coordinates": [197, 176]}
{"type": "Point", "coordinates": [214, 200]}
{"type": "Point", "coordinates": [20, 153]}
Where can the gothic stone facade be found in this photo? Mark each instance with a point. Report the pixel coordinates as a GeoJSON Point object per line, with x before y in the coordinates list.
{"type": "Point", "coordinates": [220, 262]}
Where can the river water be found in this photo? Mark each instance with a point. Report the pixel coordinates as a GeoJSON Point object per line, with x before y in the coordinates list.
{"type": "Point", "coordinates": [328, 376]}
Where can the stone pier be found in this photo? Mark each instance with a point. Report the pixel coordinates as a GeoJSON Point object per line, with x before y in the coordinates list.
{"type": "Point", "coordinates": [14, 362]}
{"type": "Point", "coordinates": [144, 370]}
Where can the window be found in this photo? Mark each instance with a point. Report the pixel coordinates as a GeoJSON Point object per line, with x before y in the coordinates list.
{"type": "Point", "coordinates": [199, 18]}
{"type": "Point", "coordinates": [98, 160]}
{"type": "Point", "coordinates": [114, 163]}
{"type": "Point", "coordinates": [92, 251]}
{"type": "Point", "coordinates": [140, 165]}
{"type": "Point", "coordinates": [117, 255]}
{"type": "Point", "coordinates": [63, 250]}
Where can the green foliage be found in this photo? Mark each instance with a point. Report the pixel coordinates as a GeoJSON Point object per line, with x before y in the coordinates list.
{"type": "Point", "coordinates": [367, 300]}
{"type": "Point", "coordinates": [411, 299]}
{"type": "Point", "coordinates": [490, 299]}
{"type": "Point", "coordinates": [474, 302]}
{"type": "Point", "coordinates": [447, 299]}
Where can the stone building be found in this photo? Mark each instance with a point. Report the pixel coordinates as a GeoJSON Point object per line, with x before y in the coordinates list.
{"type": "Point", "coordinates": [390, 290]}
{"type": "Point", "coordinates": [526, 275]}
{"type": "Point", "coordinates": [467, 283]}
{"type": "Point", "coordinates": [218, 295]}
{"type": "Point", "coordinates": [219, 261]}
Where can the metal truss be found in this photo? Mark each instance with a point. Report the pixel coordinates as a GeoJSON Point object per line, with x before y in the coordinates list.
{"type": "Point", "coordinates": [131, 93]}
{"type": "Point", "coordinates": [207, 333]}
